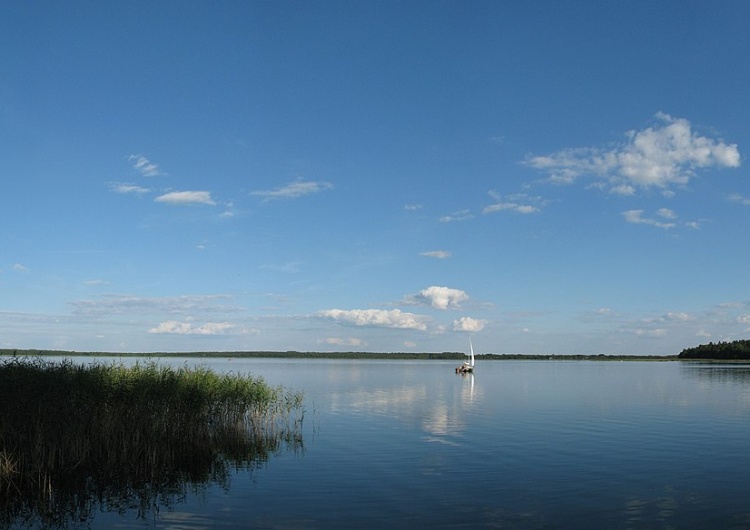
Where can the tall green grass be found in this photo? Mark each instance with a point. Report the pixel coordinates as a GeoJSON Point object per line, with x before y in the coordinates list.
{"type": "Point", "coordinates": [76, 437]}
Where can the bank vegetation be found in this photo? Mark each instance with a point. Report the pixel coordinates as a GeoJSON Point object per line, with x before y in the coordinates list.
{"type": "Point", "coordinates": [77, 438]}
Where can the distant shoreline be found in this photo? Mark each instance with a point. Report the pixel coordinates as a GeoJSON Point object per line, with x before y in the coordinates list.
{"type": "Point", "coordinates": [447, 356]}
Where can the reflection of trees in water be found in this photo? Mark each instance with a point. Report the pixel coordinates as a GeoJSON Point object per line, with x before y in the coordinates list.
{"type": "Point", "coordinates": [74, 440]}
{"type": "Point", "coordinates": [719, 373]}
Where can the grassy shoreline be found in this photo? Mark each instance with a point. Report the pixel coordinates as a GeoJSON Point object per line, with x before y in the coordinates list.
{"type": "Point", "coordinates": [76, 437]}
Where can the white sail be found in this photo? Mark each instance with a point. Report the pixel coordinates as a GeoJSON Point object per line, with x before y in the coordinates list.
{"type": "Point", "coordinates": [471, 347]}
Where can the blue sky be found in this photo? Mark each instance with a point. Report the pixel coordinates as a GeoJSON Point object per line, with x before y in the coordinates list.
{"type": "Point", "coordinates": [546, 177]}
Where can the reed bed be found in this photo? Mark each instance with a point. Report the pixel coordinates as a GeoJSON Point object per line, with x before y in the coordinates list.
{"type": "Point", "coordinates": [74, 437]}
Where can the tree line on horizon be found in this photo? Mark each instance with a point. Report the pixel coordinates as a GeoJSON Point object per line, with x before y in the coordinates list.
{"type": "Point", "coordinates": [735, 350]}
{"type": "Point", "coordinates": [291, 354]}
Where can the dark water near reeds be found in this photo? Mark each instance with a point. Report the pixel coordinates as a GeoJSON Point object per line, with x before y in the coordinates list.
{"type": "Point", "coordinates": [521, 444]}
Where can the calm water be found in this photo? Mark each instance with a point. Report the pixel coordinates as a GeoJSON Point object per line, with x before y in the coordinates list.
{"type": "Point", "coordinates": [534, 444]}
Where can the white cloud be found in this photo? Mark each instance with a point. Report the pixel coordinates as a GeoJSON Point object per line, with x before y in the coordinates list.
{"type": "Point", "coordinates": [20, 268]}
{"type": "Point", "coordinates": [636, 217]}
{"type": "Point", "coordinates": [649, 333]}
{"type": "Point", "coordinates": [678, 316]}
{"type": "Point", "coordinates": [122, 305]}
{"type": "Point", "coordinates": [377, 317]}
{"type": "Point", "coordinates": [298, 188]}
{"type": "Point", "coordinates": [622, 189]}
{"type": "Point", "coordinates": [745, 320]}
{"type": "Point", "coordinates": [666, 213]}
{"type": "Point", "coordinates": [461, 215]}
{"type": "Point", "coordinates": [412, 207]}
{"type": "Point", "coordinates": [144, 166]}
{"type": "Point", "coordinates": [736, 197]}
{"type": "Point", "coordinates": [186, 198]}
{"type": "Point", "coordinates": [519, 203]}
{"type": "Point", "coordinates": [336, 341]}
{"type": "Point", "coordinates": [469, 324]}
{"type": "Point", "coordinates": [173, 327]}
{"type": "Point", "coordinates": [128, 188]}
{"type": "Point", "coordinates": [438, 297]}
{"type": "Point", "coordinates": [438, 254]}
{"type": "Point", "coordinates": [667, 154]}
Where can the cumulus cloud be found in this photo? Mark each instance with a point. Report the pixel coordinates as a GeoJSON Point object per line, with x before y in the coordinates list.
{"type": "Point", "coordinates": [669, 153]}
{"type": "Point", "coordinates": [144, 166]}
{"type": "Point", "coordinates": [377, 317]}
{"type": "Point", "coordinates": [519, 203]}
{"type": "Point", "coordinates": [469, 324]}
{"type": "Point", "coordinates": [438, 254]}
{"type": "Point", "coordinates": [298, 188]}
{"type": "Point", "coordinates": [173, 327]}
{"type": "Point", "coordinates": [438, 297]}
{"type": "Point", "coordinates": [186, 198]}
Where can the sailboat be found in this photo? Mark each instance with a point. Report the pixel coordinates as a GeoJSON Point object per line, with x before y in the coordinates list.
{"type": "Point", "coordinates": [467, 366]}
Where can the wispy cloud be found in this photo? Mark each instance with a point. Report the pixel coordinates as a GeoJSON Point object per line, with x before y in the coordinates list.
{"type": "Point", "coordinates": [461, 215]}
{"type": "Point", "coordinates": [438, 297]}
{"type": "Point", "coordinates": [648, 333]}
{"type": "Point", "coordinates": [412, 207]}
{"type": "Point", "coordinates": [144, 166]}
{"type": "Point", "coordinates": [20, 268]}
{"type": "Point", "coordinates": [393, 318]}
{"type": "Point", "coordinates": [665, 218]}
{"type": "Point", "coordinates": [123, 187]}
{"type": "Point", "coordinates": [298, 188]}
{"type": "Point", "coordinates": [290, 267]}
{"type": "Point", "coordinates": [437, 254]}
{"type": "Point", "coordinates": [186, 198]}
{"type": "Point", "coordinates": [736, 197]}
{"type": "Point", "coordinates": [113, 304]}
{"type": "Point", "coordinates": [519, 203]}
{"type": "Point", "coordinates": [174, 327]}
{"type": "Point", "coordinates": [667, 154]}
{"type": "Point", "coordinates": [336, 341]}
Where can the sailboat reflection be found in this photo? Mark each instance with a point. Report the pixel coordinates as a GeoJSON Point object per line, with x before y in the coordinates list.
{"type": "Point", "coordinates": [467, 393]}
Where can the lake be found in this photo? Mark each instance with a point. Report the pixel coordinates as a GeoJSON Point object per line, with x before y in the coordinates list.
{"type": "Point", "coordinates": [519, 444]}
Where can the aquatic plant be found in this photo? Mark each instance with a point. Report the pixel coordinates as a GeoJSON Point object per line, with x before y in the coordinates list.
{"type": "Point", "coordinates": [73, 437]}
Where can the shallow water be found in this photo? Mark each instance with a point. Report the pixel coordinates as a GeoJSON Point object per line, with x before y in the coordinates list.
{"type": "Point", "coordinates": [520, 444]}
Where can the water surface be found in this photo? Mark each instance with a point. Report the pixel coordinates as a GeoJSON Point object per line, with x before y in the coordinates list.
{"type": "Point", "coordinates": [519, 444]}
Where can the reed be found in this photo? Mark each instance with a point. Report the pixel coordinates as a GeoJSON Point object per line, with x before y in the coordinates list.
{"type": "Point", "coordinates": [73, 437]}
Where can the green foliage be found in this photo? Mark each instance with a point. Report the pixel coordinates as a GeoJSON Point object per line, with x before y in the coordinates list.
{"type": "Point", "coordinates": [735, 350]}
{"type": "Point", "coordinates": [74, 435]}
